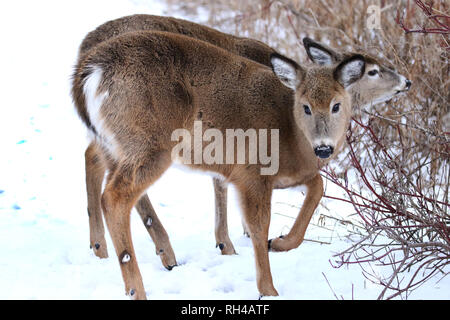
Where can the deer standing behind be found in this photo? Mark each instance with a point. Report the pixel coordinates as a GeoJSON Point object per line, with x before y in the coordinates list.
{"type": "Point", "coordinates": [133, 91]}
{"type": "Point", "coordinates": [379, 83]}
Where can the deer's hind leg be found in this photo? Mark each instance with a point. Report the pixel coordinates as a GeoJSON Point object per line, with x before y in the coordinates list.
{"type": "Point", "coordinates": [95, 171]}
{"type": "Point", "coordinates": [223, 241]}
{"type": "Point", "coordinates": [157, 232]}
{"type": "Point", "coordinates": [124, 187]}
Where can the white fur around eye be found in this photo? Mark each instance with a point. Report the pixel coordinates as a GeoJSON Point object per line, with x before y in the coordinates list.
{"type": "Point", "coordinates": [332, 105]}
{"type": "Point", "coordinates": [373, 69]}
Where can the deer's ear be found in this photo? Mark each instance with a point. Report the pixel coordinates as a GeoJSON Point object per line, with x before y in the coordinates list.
{"type": "Point", "coordinates": [286, 70]}
{"type": "Point", "coordinates": [320, 54]}
{"type": "Point", "coordinates": [350, 70]}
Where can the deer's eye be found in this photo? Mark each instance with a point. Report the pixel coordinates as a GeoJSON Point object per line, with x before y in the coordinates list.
{"type": "Point", "coordinates": [373, 72]}
{"type": "Point", "coordinates": [307, 109]}
{"type": "Point", "coordinates": [336, 108]}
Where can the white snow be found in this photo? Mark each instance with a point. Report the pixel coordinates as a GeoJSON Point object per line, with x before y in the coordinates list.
{"type": "Point", "coordinates": [44, 236]}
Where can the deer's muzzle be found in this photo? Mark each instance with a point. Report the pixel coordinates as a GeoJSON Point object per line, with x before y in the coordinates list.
{"type": "Point", "coordinates": [323, 151]}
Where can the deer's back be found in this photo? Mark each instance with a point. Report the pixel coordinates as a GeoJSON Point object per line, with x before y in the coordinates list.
{"type": "Point", "coordinates": [249, 48]}
{"type": "Point", "coordinates": [160, 76]}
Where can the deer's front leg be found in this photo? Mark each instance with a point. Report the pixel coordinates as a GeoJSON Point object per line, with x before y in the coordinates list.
{"type": "Point", "coordinates": [295, 237]}
{"type": "Point", "coordinates": [223, 241]}
{"type": "Point", "coordinates": [256, 209]}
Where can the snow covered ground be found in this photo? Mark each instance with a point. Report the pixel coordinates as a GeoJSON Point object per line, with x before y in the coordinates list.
{"type": "Point", "coordinates": [44, 236]}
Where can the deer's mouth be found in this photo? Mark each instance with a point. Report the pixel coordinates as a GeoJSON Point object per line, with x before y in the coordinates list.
{"type": "Point", "coordinates": [408, 84]}
{"type": "Point", "coordinates": [323, 151]}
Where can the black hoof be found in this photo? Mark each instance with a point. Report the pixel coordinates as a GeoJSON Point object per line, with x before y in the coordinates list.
{"type": "Point", "coordinates": [270, 244]}
{"type": "Point", "coordinates": [171, 267]}
{"type": "Point", "coordinates": [97, 246]}
{"type": "Point", "coordinates": [221, 246]}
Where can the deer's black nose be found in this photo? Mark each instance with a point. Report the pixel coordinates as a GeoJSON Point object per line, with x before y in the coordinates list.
{"type": "Point", "coordinates": [408, 84]}
{"type": "Point", "coordinates": [323, 151]}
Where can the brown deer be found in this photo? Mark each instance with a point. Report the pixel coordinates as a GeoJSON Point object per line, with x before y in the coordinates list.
{"type": "Point", "coordinates": [380, 83]}
{"type": "Point", "coordinates": [133, 91]}
{"type": "Point", "coordinates": [95, 168]}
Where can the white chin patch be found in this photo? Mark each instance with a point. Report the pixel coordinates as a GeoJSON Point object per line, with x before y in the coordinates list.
{"type": "Point", "coordinates": [323, 142]}
{"type": "Point", "coordinates": [380, 100]}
